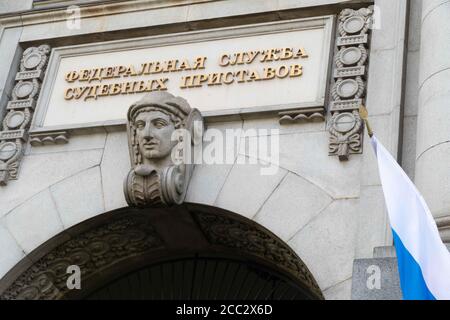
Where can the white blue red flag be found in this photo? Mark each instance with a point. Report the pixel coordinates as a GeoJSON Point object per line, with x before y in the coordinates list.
{"type": "Point", "coordinates": [423, 259]}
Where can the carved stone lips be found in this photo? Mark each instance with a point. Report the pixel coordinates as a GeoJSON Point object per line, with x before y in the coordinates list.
{"type": "Point", "coordinates": [150, 144]}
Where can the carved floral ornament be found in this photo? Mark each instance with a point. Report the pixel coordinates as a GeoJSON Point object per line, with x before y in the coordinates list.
{"type": "Point", "coordinates": [348, 90]}
{"type": "Point", "coordinates": [220, 229]}
{"type": "Point", "coordinates": [95, 250]}
{"type": "Point", "coordinates": [129, 235]}
{"type": "Point", "coordinates": [20, 110]}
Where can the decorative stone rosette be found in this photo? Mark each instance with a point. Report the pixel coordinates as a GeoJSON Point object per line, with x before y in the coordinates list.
{"type": "Point", "coordinates": [20, 109]}
{"type": "Point", "coordinates": [349, 82]}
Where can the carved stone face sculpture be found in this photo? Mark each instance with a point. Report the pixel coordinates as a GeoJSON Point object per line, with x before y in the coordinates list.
{"type": "Point", "coordinates": [155, 178]}
{"type": "Point", "coordinates": [151, 123]}
{"type": "Point", "coordinates": [153, 132]}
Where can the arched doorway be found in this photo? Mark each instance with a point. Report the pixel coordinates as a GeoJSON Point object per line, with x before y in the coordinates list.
{"type": "Point", "coordinates": [185, 252]}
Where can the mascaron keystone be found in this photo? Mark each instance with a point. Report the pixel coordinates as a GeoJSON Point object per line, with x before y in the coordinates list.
{"type": "Point", "coordinates": [162, 131]}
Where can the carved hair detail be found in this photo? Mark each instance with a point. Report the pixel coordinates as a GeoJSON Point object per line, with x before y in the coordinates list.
{"type": "Point", "coordinates": [162, 101]}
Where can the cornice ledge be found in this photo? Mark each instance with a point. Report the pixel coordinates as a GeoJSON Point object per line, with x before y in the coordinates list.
{"type": "Point", "coordinates": [91, 11]}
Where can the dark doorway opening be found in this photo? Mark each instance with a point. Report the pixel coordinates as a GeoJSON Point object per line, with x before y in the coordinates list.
{"type": "Point", "coordinates": [201, 278]}
{"type": "Point", "coordinates": [190, 251]}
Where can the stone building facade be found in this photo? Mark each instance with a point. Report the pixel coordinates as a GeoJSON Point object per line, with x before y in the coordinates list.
{"type": "Point", "coordinates": [317, 225]}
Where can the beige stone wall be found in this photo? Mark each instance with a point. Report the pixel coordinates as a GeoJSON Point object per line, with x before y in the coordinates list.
{"type": "Point", "coordinates": [433, 130]}
{"type": "Point", "coordinates": [329, 212]}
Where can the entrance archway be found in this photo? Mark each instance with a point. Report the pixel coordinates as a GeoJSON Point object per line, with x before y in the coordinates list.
{"type": "Point", "coordinates": [185, 252]}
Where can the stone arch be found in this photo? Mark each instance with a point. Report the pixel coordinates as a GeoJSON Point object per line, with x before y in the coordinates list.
{"type": "Point", "coordinates": [121, 242]}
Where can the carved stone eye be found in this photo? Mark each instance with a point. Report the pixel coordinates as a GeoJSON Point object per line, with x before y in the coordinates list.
{"type": "Point", "coordinates": [159, 123]}
{"type": "Point", "coordinates": [140, 124]}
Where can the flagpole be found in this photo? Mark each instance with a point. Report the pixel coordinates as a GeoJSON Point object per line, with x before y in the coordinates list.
{"type": "Point", "coordinates": [365, 116]}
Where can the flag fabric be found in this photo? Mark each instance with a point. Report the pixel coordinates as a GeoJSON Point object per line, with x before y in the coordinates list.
{"type": "Point", "coordinates": [423, 259]}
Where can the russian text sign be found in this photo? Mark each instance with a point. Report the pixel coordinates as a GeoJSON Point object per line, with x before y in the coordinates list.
{"type": "Point", "coordinates": [224, 71]}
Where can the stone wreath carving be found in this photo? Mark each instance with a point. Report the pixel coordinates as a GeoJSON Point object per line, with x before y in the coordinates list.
{"type": "Point", "coordinates": [345, 138]}
{"type": "Point", "coordinates": [349, 86]}
{"type": "Point", "coordinates": [20, 110]}
{"type": "Point", "coordinates": [221, 230]}
{"type": "Point", "coordinates": [93, 251]}
{"type": "Point", "coordinates": [162, 132]}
